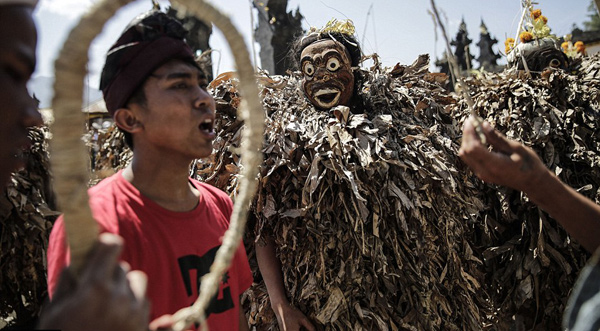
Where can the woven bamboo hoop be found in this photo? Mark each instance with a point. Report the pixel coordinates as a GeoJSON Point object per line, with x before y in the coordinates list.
{"type": "Point", "coordinates": [69, 153]}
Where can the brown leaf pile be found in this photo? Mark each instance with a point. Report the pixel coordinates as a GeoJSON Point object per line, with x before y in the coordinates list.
{"type": "Point", "coordinates": [532, 262]}
{"type": "Point", "coordinates": [112, 153]}
{"type": "Point", "coordinates": [27, 212]}
{"type": "Point", "coordinates": [370, 213]}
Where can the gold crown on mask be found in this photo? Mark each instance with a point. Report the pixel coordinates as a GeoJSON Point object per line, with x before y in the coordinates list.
{"type": "Point", "coordinates": [335, 26]}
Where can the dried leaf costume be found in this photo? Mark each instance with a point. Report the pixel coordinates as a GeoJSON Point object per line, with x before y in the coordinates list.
{"type": "Point", "coordinates": [368, 210]}
{"type": "Point", "coordinates": [27, 211]}
{"type": "Point", "coordinates": [531, 260]}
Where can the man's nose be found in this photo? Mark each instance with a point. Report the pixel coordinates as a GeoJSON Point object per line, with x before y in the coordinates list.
{"type": "Point", "coordinates": [204, 100]}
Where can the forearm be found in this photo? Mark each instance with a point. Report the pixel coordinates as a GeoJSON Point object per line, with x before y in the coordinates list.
{"type": "Point", "coordinates": [270, 269]}
{"type": "Point", "coordinates": [577, 214]}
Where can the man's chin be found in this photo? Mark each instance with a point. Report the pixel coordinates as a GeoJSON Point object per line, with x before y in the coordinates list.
{"type": "Point", "coordinates": [204, 152]}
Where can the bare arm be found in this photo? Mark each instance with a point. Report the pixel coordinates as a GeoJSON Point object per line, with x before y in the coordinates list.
{"type": "Point", "coordinates": [289, 318]}
{"type": "Point", "coordinates": [514, 165]}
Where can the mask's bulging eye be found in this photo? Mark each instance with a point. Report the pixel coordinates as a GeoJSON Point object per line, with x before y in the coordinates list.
{"type": "Point", "coordinates": [333, 64]}
{"type": "Point", "coordinates": [555, 63]}
{"type": "Point", "coordinates": [308, 68]}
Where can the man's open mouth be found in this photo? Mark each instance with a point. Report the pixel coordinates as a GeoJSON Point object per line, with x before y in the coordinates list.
{"type": "Point", "coordinates": [207, 126]}
{"type": "Point", "coordinates": [328, 97]}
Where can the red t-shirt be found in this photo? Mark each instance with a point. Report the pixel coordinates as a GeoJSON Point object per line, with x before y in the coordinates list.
{"type": "Point", "coordinates": [175, 249]}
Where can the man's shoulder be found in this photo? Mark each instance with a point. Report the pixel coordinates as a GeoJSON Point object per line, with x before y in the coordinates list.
{"type": "Point", "coordinates": [212, 193]}
{"type": "Point", "coordinates": [105, 186]}
{"type": "Point", "coordinates": [105, 191]}
{"type": "Point", "coordinates": [103, 198]}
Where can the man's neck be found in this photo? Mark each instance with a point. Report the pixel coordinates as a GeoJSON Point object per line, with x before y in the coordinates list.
{"type": "Point", "coordinates": [165, 182]}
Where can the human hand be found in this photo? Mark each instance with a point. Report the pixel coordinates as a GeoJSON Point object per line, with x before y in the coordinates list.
{"type": "Point", "coordinates": [105, 297]}
{"type": "Point", "coordinates": [509, 163]}
{"type": "Point", "coordinates": [290, 318]}
{"type": "Point", "coordinates": [163, 323]}
{"type": "Point", "coordinates": [167, 322]}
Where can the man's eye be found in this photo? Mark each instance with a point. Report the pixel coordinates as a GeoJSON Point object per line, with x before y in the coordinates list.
{"type": "Point", "coordinates": [308, 68]}
{"type": "Point", "coordinates": [180, 86]}
{"type": "Point", "coordinates": [333, 64]}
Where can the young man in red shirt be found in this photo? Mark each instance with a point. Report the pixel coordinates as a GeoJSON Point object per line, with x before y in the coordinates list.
{"type": "Point", "coordinates": [172, 225]}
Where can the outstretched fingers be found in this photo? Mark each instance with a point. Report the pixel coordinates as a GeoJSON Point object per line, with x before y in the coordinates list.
{"type": "Point", "coordinates": [498, 141]}
{"type": "Point", "coordinates": [162, 323]}
{"type": "Point", "coordinates": [487, 165]}
{"type": "Point", "coordinates": [138, 281]}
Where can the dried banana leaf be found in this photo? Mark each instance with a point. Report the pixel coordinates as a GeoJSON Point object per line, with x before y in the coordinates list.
{"type": "Point", "coordinates": [27, 212]}
{"type": "Point", "coordinates": [532, 263]}
{"type": "Point", "coordinates": [369, 211]}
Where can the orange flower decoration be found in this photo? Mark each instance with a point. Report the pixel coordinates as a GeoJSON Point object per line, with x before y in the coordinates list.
{"type": "Point", "coordinates": [565, 45]}
{"type": "Point", "coordinates": [526, 36]}
{"type": "Point", "coordinates": [543, 18]}
{"type": "Point", "coordinates": [536, 13]}
{"type": "Point", "coordinates": [580, 47]}
{"type": "Point", "coordinates": [509, 44]}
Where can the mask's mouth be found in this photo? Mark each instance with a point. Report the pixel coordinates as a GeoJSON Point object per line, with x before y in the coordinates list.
{"type": "Point", "coordinates": [327, 98]}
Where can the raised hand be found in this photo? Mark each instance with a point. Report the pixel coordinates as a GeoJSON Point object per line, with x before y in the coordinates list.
{"type": "Point", "coordinates": [106, 297]}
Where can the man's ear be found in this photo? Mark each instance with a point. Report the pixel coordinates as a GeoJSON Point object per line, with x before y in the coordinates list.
{"type": "Point", "coordinates": [127, 120]}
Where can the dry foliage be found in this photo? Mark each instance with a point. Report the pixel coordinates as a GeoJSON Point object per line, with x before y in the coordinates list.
{"type": "Point", "coordinates": [27, 213]}
{"type": "Point", "coordinates": [109, 152]}
{"type": "Point", "coordinates": [378, 224]}
{"type": "Point", "coordinates": [370, 213]}
{"type": "Point", "coordinates": [532, 262]}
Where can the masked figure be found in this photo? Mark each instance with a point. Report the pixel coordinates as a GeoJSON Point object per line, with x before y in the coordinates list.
{"type": "Point", "coordinates": [328, 80]}
{"type": "Point", "coordinates": [355, 196]}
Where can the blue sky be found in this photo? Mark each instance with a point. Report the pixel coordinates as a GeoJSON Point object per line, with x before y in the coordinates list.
{"type": "Point", "coordinates": [397, 30]}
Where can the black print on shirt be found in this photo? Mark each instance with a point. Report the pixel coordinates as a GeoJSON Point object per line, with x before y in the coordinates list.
{"type": "Point", "coordinates": [202, 266]}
